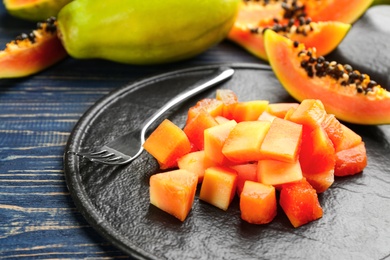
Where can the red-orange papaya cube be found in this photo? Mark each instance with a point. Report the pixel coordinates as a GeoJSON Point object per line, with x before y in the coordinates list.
{"type": "Point", "coordinates": [229, 99]}
{"type": "Point", "coordinates": [173, 192]}
{"type": "Point", "coordinates": [280, 109]}
{"type": "Point", "coordinates": [282, 142]}
{"type": "Point", "coordinates": [249, 110]}
{"type": "Point", "coordinates": [244, 141]}
{"type": "Point", "coordinates": [194, 162]}
{"type": "Point", "coordinates": [300, 203]}
{"type": "Point", "coordinates": [218, 186]}
{"type": "Point", "coordinates": [277, 173]}
{"type": "Point", "coordinates": [317, 152]}
{"type": "Point", "coordinates": [167, 143]}
{"type": "Point", "coordinates": [258, 203]}
{"type": "Point", "coordinates": [333, 129]}
{"type": "Point", "coordinates": [321, 181]}
{"type": "Point", "coordinates": [211, 105]}
{"type": "Point", "coordinates": [310, 113]}
{"type": "Point", "coordinates": [195, 128]}
{"type": "Point", "coordinates": [351, 161]}
{"type": "Point", "coordinates": [245, 172]}
{"type": "Point", "coordinates": [214, 139]}
{"type": "Point", "coordinates": [349, 139]}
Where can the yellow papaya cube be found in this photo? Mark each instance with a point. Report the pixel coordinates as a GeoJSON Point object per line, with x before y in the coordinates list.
{"type": "Point", "coordinates": [214, 139]}
{"type": "Point", "coordinates": [249, 110]}
{"type": "Point", "coordinates": [282, 141]}
{"type": "Point", "coordinates": [244, 141]}
{"type": "Point", "coordinates": [167, 143]}
{"type": "Point", "coordinates": [258, 203]}
{"type": "Point", "coordinates": [218, 186]}
{"type": "Point", "coordinates": [173, 192]}
{"type": "Point", "coordinates": [276, 173]}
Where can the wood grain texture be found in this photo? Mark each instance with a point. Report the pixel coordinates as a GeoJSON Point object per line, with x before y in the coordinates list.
{"type": "Point", "coordinates": [38, 218]}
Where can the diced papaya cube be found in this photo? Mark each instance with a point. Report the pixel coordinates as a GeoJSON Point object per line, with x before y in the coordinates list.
{"type": "Point", "coordinates": [249, 110]}
{"type": "Point", "coordinates": [349, 139]}
{"type": "Point", "coordinates": [351, 161]}
{"type": "Point", "coordinates": [211, 105]}
{"type": "Point", "coordinates": [276, 173]}
{"type": "Point", "coordinates": [194, 162]}
{"type": "Point", "coordinates": [280, 109]}
{"type": "Point", "coordinates": [299, 201]}
{"type": "Point", "coordinates": [214, 139]}
{"type": "Point", "coordinates": [244, 141]}
{"type": "Point", "coordinates": [321, 181]}
{"type": "Point", "coordinates": [282, 142]}
{"type": "Point", "coordinates": [245, 172]}
{"type": "Point", "coordinates": [333, 129]}
{"type": "Point", "coordinates": [229, 99]}
{"type": "Point", "coordinates": [173, 192]}
{"type": "Point", "coordinates": [258, 203]}
{"type": "Point", "coordinates": [265, 116]}
{"type": "Point", "coordinates": [195, 128]}
{"type": "Point", "coordinates": [167, 143]}
{"type": "Point", "coordinates": [310, 113]}
{"type": "Point", "coordinates": [317, 152]}
{"type": "Point", "coordinates": [221, 119]}
{"type": "Point", "coordinates": [218, 186]}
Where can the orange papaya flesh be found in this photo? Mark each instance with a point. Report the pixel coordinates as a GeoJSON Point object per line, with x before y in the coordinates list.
{"type": "Point", "coordinates": [167, 143]}
{"type": "Point", "coordinates": [245, 172]}
{"type": "Point", "coordinates": [347, 11]}
{"type": "Point", "coordinates": [244, 141]}
{"type": "Point", "coordinates": [325, 36]}
{"type": "Point", "coordinates": [229, 99]}
{"type": "Point", "coordinates": [249, 110]}
{"type": "Point", "coordinates": [300, 202]}
{"type": "Point", "coordinates": [280, 109]}
{"type": "Point", "coordinates": [211, 105]}
{"type": "Point", "coordinates": [194, 162]}
{"type": "Point", "coordinates": [348, 94]}
{"type": "Point", "coordinates": [31, 53]}
{"type": "Point", "coordinates": [351, 161]}
{"type": "Point", "coordinates": [195, 128]}
{"type": "Point", "coordinates": [277, 173]}
{"type": "Point", "coordinates": [219, 186]}
{"type": "Point", "coordinates": [317, 153]}
{"type": "Point", "coordinates": [173, 192]}
{"type": "Point", "coordinates": [282, 141]}
{"type": "Point", "coordinates": [258, 203]}
{"type": "Point", "coordinates": [349, 139]}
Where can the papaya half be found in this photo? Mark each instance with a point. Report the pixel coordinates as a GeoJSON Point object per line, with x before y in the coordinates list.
{"type": "Point", "coordinates": [287, 18]}
{"type": "Point", "coordinates": [347, 93]}
{"type": "Point", "coordinates": [34, 10]}
{"type": "Point", "coordinates": [32, 52]}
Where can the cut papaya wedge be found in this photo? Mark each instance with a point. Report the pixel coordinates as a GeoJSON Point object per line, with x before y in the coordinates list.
{"type": "Point", "coordinates": [325, 36]}
{"type": "Point", "coordinates": [33, 52]}
{"type": "Point", "coordinates": [347, 93]}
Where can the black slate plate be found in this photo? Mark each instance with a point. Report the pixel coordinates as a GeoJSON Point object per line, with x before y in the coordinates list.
{"type": "Point", "coordinates": [115, 200]}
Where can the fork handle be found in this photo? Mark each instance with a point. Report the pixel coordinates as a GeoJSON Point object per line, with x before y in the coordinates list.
{"type": "Point", "coordinates": [219, 76]}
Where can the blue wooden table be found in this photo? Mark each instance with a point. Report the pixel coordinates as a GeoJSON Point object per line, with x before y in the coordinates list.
{"type": "Point", "coordinates": [38, 218]}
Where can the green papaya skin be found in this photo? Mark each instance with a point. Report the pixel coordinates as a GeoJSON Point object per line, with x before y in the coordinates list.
{"type": "Point", "coordinates": [144, 32]}
{"type": "Point", "coordinates": [34, 10]}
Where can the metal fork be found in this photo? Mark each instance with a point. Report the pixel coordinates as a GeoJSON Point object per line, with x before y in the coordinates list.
{"type": "Point", "coordinates": [132, 142]}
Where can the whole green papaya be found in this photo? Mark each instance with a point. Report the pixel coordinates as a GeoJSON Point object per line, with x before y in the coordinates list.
{"type": "Point", "coordinates": [144, 31]}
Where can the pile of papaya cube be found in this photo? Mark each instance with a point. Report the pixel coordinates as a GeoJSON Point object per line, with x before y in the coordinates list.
{"type": "Point", "coordinates": [253, 150]}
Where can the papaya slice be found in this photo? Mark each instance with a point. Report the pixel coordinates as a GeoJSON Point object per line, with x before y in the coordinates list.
{"type": "Point", "coordinates": [325, 36]}
{"type": "Point", "coordinates": [347, 93]}
{"type": "Point", "coordinates": [33, 52]}
{"type": "Point", "coordinates": [346, 11]}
